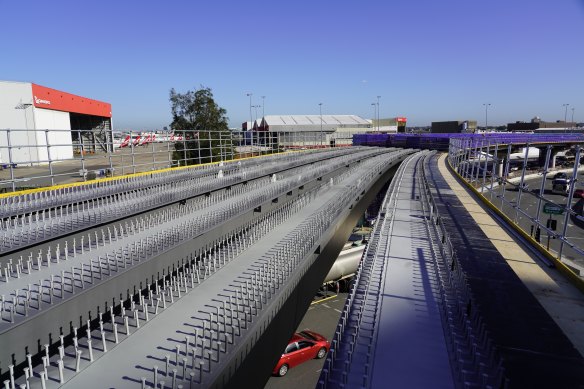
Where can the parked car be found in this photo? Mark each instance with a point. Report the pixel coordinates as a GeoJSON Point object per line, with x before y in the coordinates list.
{"type": "Point", "coordinates": [560, 175]}
{"type": "Point", "coordinates": [579, 193]}
{"type": "Point", "coordinates": [303, 346]}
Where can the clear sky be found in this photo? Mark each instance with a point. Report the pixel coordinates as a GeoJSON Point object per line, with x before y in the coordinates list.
{"type": "Point", "coordinates": [427, 59]}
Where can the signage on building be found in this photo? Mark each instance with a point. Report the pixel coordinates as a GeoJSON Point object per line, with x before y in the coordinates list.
{"type": "Point", "coordinates": [401, 119]}
{"type": "Point", "coordinates": [49, 98]}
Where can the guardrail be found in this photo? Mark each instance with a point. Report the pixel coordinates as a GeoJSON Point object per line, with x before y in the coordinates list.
{"type": "Point", "coordinates": [47, 157]}
{"type": "Point", "coordinates": [502, 178]}
{"type": "Point", "coordinates": [473, 355]}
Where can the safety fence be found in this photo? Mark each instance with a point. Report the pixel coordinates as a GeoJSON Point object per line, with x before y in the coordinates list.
{"type": "Point", "coordinates": [535, 188]}
{"type": "Point", "coordinates": [47, 157]}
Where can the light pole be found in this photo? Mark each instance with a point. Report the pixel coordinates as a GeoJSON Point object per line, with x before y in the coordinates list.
{"type": "Point", "coordinates": [572, 117]}
{"type": "Point", "coordinates": [374, 111]}
{"type": "Point", "coordinates": [263, 107]}
{"type": "Point", "coordinates": [320, 110]}
{"type": "Point", "coordinates": [256, 110]}
{"type": "Point", "coordinates": [250, 121]}
{"type": "Point", "coordinates": [250, 116]}
{"type": "Point", "coordinates": [378, 114]}
{"type": "Point", "coordinates": [486, 115]}
{"type": "Point", "coordinates": [566, 112]}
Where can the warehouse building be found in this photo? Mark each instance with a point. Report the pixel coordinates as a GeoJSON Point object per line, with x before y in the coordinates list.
{"type": "Point", "coordinates": [389, 125]}
{"type": "Point", "coordinates": [454, 126]}
{"type": "Point", "coordinates": [310, 131]}
{"type": "Point", "coordinates": [537, 124]}
{"type": "Point", "coordinates": [40, 123]}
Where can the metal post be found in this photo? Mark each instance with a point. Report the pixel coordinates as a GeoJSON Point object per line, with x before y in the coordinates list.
{"type": "Point", "coordinates": [565, 113]}
{"type": "Point", "coordinates": [486, 165]}
{"type": "Point", "coordinates": [378, 114]}
{"type": "Point", "coordinates": [471, 176]}
{"type": "Point", "coordinates": [250, 122]}
{"type": "Point", "coordinates": [320, 110]}
{"type": "Point", "coordinates": [486, 115]}
{"type": "Point", "coordinates": [479, 161]}
{"type": "Point", "coordinates": [495, 166]}
{"type": "Point", "coordinates": [49, 157]}
{"type": "Point", "coordinates": [521, 181]}
{"type": "Point", "coordinates": [210, 145]}
{"type": "Point", "coordinates": [82, 155]}
{"type": "Point", "coordinates": [569, 200]}
{"type": "Point", "coordinates": [153, 153]}
{"type": "Point", "coordinates": [10, 160]}
{"type": "Point", "coordinates": [542, 185]}
{"type": "Point", "coordinates": [185, 148]}
{"type": "Point", "coordinates": [505, 174]}
{"type": "Point", "coordinates": [132, 153]}
{"type": "Point", "coordinates": [110, 151]}
{"type": "Point", "coordinates": [466, 158]}
{"type": "Point", "coordinates": [168, 148]}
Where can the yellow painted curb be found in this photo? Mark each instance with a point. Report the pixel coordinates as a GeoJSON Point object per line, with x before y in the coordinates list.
{"type": "Point", "coordinates": [574, 278]}
{"type": "Point", "coordinates": [109, 179]}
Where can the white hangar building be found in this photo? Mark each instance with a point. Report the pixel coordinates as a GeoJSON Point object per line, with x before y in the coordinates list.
{"type": "Point", "coordinates": [39, 122]}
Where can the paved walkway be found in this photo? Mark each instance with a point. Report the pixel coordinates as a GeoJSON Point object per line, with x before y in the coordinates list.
{"type": "Point", "coordinates": [563, 301]}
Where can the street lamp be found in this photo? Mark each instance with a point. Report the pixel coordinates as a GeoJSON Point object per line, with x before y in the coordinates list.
{"type": "Point", "coordinates": [486, 115]}
{"type": "Point", "coordinates": [256, 110]}
{"type": "Point", "coordinates": [566, 112]}
{"type": "Point", "coordinates": [378, 118]}
{"type": "Point", "coordinates": [374, 111]}
{"type": "Point", "coordinates": [263, 107]}
{"type": "Point", "coordinates": [572, 116]}
{"type": "Point", "coordinates": [250, 116]}
{"type": "Point", "coordinates": [250, 121]}
{"type": "Point", "coordinates": [320, 110]}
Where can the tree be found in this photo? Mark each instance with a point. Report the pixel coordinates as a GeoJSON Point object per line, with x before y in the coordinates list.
{"type": "Point", "coordinates": [202, 124]}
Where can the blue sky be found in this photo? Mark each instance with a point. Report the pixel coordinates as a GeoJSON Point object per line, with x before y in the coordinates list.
{"type": "Point", "coordinates": [429, 60]}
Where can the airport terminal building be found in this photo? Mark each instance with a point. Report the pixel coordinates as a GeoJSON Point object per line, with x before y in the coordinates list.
{"type": "Point", "coordinates": [33, 116]}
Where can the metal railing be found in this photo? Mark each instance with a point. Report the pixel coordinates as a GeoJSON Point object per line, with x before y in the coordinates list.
{"type": "Point", "coordinates": [552, 217]}
{"type": "Point", "coordinates": [40, 158]}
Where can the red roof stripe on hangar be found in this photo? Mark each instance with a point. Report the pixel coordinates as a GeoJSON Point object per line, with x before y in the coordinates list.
{"type": "Point", "coordinates": [49, 98]}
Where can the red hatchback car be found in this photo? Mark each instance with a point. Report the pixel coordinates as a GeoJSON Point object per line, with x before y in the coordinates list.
{"type": "Point", "coordinates": [303, 346]}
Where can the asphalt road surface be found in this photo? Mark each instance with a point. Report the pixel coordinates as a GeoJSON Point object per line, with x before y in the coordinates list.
{"type": "Point", "coordinates": [322, 317]}
{"type": "Point", "coordinates": [529, 203]}
{"type": "Point", "coordinates": [145, 158]}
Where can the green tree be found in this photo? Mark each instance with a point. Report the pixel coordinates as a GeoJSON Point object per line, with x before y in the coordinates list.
{"type": "Point", "coordinates": [202, 124]}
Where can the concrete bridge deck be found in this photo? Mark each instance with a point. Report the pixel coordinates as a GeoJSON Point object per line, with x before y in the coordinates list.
{"type": "Point", "coordinates": [504, 319]}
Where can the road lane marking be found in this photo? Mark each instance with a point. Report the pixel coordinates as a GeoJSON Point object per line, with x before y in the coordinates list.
{"type": "Point", "coordinates": [323, 300]}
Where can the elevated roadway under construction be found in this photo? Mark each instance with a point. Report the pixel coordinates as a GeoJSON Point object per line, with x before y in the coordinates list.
{"type": "Point", "coordinates": [197, 277]}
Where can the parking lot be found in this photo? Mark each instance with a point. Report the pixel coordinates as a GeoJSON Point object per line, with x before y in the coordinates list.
{"type": "Point", "coordinates": [528, 201]}
{"type": "Point", "coordinates": [322, 317]}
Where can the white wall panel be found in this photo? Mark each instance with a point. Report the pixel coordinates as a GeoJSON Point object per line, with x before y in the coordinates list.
{"type": "Point", "coordinates": [60, 141]}
{"type": "Point", "coordinates": [16, 115]}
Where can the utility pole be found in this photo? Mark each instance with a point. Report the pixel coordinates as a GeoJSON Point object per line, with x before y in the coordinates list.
{"type": "Point", "coordinates": [566, 112]}
{"type": "Point", "coordinates": [378, 115]}
{"type": "Point", "coordinates": [320, 109]}
{"type": "Point", "coordinates": [486, 115]}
